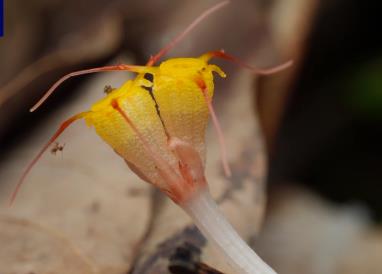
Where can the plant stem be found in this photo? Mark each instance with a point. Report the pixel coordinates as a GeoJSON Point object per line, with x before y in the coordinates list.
{"type": "Point", "coordinates": [214, 226]}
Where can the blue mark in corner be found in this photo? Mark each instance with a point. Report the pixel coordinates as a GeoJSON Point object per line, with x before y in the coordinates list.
{"type": "Point", "coordinates": [1, 18]}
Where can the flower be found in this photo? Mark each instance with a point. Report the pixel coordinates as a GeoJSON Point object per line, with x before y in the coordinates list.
{"type": "Point", "coordinates": [159, 127]}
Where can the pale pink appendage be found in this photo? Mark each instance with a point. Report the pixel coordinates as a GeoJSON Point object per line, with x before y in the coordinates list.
{"type": "Point", "coordinates": [83, 72]}
{"type": "Point", "coordinates": [184, 33]}
{"type": "Point", "coordinates": [223, 148]}
{"type": "Point", "coordinates": [221, 54]}
{"type": "Point", "coordinates": [190, 164]}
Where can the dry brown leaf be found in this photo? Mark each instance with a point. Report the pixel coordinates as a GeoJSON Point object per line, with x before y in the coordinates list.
{"type": "Point", "coordinates": [27, 248]}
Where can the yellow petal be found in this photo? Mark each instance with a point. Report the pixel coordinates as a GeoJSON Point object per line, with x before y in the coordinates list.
{"type": "Point", "coordinates": [182, 105]}
{"type": "Point", "coordinates": [138, 105]}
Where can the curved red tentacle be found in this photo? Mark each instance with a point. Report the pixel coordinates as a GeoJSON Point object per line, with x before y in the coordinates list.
{"type": "Point", "coordinates": [223, 148]}
{"type": "Point", "coordinates": [83, 72]}
{"type": "Point", "coordinates": [29, 167]}
{"type": "Point", "coordinates": [221, 54]}
{"type": "Point", "coordinates": [184, 33]}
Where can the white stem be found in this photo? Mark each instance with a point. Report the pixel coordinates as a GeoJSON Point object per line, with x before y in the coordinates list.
{"type": "Point", "coordinates": [214, 226]}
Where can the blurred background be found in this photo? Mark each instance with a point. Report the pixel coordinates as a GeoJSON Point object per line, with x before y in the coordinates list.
{"type": "Point", "coordinates": [321, 119]}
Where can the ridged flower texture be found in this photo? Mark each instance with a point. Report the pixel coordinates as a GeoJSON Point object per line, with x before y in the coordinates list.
{"type": "Point", "coordinates": [159, 126]}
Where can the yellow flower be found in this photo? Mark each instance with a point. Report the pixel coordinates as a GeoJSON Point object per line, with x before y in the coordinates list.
{"type": "Point", "coordinates": [159, 127]}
